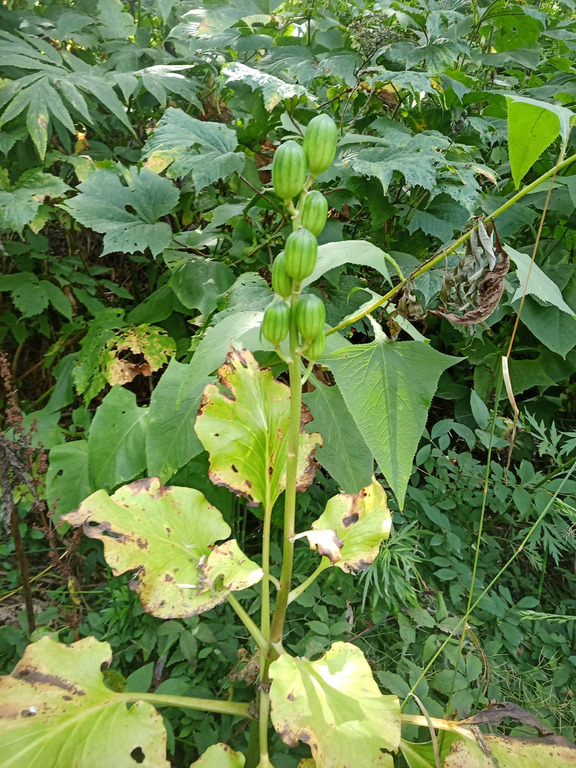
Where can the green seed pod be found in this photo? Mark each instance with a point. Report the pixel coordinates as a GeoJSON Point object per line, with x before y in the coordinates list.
{"type": "Point", "coordinates": [320, 141]}
{"type": "Point", "coordinates": [300, 253]}
{"type": "Point", "coordinates": [288, 170]}
{"type": "Point", "coordinates": [276, 322]}
{"type": "Point", "coordinates": [314, 212]}
{"type": "Point", "coordinates": [310, 316]}
{"type": "Point", "coordinates": [317, 347]}
{"type": "Point", "coordinates": [281, 280]}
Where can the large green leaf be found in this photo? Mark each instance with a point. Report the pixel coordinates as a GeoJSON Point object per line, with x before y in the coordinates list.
{"type": "Point", "coordinates": [167, 536]}
{"type": "Point", "coordinates": [360, 252]}
{"type": "Point", "coordinates": [388, 389]}
{"type": "Point", "coordinates": [198, 282]}
{"type": "Point", "coordinates": [416, 163]}
{"type": "Point", "coordinates": [555, 329]}
{"type": "Point", "coordinates": [532, 126]}
{"type": "Point", "coordinates": [335, 707]}
{"type": "Point", "coordinates": [57, 712]}
{"type": "Point", "coordinates": [244, 429]}
{"type": "Point", "coordinates": [509, 753]}
{"type": "Point", "coordinates": [203, 150]}
{"type": "Point", "coordinates": [272, 88]}
{"type": "Point", "coordinates": [117, 439]}
{"type": "Point", "coordinates": [344, 453]}
{"type": "Point", "coordinates": [126, 209]}
{"type": "Point", "coordinates": [171, 439]}
{"type": "Point", "coordinates": [68, 477]}
{"type": "Point", "coordinates": [361, 521]}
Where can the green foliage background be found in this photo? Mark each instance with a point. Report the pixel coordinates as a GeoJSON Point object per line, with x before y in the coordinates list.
{"type": "Point", "coordinates": [138, 229]}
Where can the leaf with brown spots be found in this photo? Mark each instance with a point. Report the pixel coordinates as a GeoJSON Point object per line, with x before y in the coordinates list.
{"type": "Point", "coordinates": [243, 424]}
{"type": "Point", "coordinates": [325, 541]}
{"type": "Point", "coordinates": [361, 521]}
{"type": "Point", "coordinates": [506, 752]}
{"type": "Point", "coordinates": [55, 710]}
{"type": "Point", "coordinates": [167, 536]}
{"type": "Point", "coordinates": [335, 707]}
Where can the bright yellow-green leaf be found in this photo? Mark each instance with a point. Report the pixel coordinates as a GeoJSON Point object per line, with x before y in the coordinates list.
{"type": "Point", "coordinates": [167, 536]}
{"type": "Point", "coordinates": [335, 706]}
{"type": "Point", "coordinates": [245, 430]}
{"type": "Point", "coordinates": [220, 756]}
{"type": "Point", "coordinates": [56, 712]}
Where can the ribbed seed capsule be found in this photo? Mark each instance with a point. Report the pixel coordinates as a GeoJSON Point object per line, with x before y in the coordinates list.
{"type": "Point", "coordinates": [310, 316]}
{"type": "Point", "coordinates": [288, 170]}
{"type": "Point", "coordinates": [320, 142]}
{"type": "Point", "coordinates": [314, 212]}
{"type": "Point", "coordinates": [276, 322]}
{"type": "Point", "coordinates": [300, 253]}
{"type": "Point", "coordinates": [316, 348]}
{"type": "Point", "coordinates": [281, 280]}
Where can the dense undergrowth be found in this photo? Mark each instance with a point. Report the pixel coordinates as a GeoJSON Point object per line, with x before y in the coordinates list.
{"type": "Point", "coordinates": [139, 226]}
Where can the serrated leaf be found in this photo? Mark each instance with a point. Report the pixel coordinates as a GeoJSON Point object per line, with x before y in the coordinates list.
{"type": "Point", "coordinates": [273, 90]}
{"type": "Point", "coordinates": [186, 146]}
{"type": "Point", "coordinates": [117, 439]}
{"type": "Point", "coordinates": [532, 126]}
{"type": "Point", "coordinates": [335, 707]}
{"type": "Point", "coordinates": [245, 429]}
{"type": "Point", "coordinates": [361, 521]}
{"type": "Point", "coordinates": [127, 214]}
{"type": "Point", "coordinates": [56, 708]}
{"type": "Point", "coordinates": [167, 536]}
{"type": "Point", "coordinates": [388, 388]}
{"type": "Point", "coordinates": [344, 453]}
{"type": "Point", "coordinates": [416, 164]}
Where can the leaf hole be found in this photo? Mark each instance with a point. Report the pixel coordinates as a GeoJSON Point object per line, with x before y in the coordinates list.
{"type": "Point", "coordinates": [234, 469]}
{"type": "Point", "coordinates": [29, 712]}
{"type": "Point", "coordinates": [131, 209]}
{"type": "Point", "coordinates": [137, 755]}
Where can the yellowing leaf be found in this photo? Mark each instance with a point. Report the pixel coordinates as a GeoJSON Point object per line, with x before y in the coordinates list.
{"type": "Point", "coordinates": [56, 711]}
{"type": "Point", "coordinates": [244, 429]}
{"type": "Point", "coordinates": [335, 706]}
{"type": "Point", "coordinates": [361, 522]}
{"type": "Point", "coordinates": [167, 536]}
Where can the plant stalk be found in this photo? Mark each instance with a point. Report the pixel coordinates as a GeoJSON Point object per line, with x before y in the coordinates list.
{"type": "Point", "coordinates": [237, 708]}
{"type": "Point", "coordinates": [258, 636]}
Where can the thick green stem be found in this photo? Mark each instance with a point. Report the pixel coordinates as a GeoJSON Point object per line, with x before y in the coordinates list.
{"type": "Point", "coordinates": [238, 708]}
{"type": "Point", "coordinates": [291, 475]}
{"type": "Point", "coordinates": [261, 640]}
{"type": "Point", "coordinates": [297, 591]}
{"type": "Point", "coordinates": [451, 248]}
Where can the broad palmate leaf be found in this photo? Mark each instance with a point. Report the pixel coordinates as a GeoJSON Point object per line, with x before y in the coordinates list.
{"type": "Point", "coordinates": [126, 209]}
{"type": "Point", "coordinates": [335, 706]}
{"type": "Point", "coordinates": [56, 711]}
{"type": "Point", "coordinates": [245, 430]}
{"type": "Point", "coordinates": [203, 150]}
{"type": "Point", "coordinates": [52, 86]}
{"type": "Point", "coordinates": [388, 388]}
{"type": "Point", "coordinates": [167, 536]}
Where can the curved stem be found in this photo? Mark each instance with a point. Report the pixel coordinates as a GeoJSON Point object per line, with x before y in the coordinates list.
{"type": "Point", "coordinates": [451, 248]}
{"type": "Point", "coordinates": [297, 591]}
